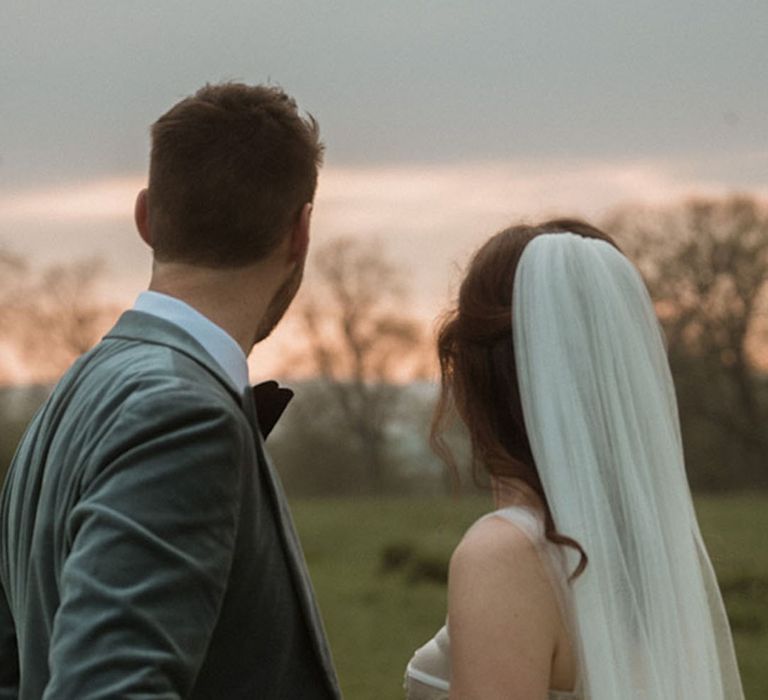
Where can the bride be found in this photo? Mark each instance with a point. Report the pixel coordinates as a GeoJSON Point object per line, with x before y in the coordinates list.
{"type": "Point", "coordinates": [591, 579]}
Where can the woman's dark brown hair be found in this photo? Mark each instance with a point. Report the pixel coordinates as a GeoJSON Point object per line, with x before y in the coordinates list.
{"type": "Point", "coordinates": [477, 365]}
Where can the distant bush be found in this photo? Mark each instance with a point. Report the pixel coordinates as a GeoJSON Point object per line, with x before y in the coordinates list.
{"type": "Point", "coordinates": [746, 598]}
{"type": "Point", "coordinates": [428, 569]}
{"type": "Point", "coordinates": [395, 557]}
{"type": "Point", "coordinates": [418, 566]}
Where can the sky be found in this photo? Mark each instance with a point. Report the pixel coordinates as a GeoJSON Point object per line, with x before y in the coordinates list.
{"type": "Point", "coordinates": [443, 121]}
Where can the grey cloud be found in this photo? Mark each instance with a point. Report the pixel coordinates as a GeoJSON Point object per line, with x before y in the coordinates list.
{"type": "Point", "coordinates": [403, 80]}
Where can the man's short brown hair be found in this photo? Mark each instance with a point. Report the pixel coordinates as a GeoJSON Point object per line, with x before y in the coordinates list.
{"type": "Point", "coordinates": [230, 170]}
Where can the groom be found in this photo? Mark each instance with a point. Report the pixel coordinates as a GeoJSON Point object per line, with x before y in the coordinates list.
{"type": "Point", "coordinates": [146, 548]}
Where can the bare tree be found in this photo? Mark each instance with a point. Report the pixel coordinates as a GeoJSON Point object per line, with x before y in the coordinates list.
{"type": "Point", "coordinates": [706, 263]}
{"type": "Point", "coordinates": [12, 271]}
{"type": "Point", "coordinates": [52, 316]}
{"type": "Point", "coordinates": [361, 340]}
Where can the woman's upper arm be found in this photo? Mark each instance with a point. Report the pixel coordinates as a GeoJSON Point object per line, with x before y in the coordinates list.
{"type": "Point", "coordinates": [502, 614]}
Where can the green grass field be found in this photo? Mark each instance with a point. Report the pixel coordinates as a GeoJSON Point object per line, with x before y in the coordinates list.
{"type": "Point", "coordinates": [377, 614]}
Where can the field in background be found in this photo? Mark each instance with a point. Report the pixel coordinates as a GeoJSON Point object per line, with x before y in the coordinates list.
{"type": "Point", "coordinates": [378, 567]}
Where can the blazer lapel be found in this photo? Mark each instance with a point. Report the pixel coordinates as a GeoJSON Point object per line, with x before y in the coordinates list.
{"type": "Point", "coordinates": [295, 555]}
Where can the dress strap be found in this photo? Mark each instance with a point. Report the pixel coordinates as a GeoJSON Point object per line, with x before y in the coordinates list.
{"type": "Point", "coordinates": [525, 517]}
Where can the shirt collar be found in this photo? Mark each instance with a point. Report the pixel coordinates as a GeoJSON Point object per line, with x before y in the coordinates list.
{"type": "Point", "coordinates": [221, 346]}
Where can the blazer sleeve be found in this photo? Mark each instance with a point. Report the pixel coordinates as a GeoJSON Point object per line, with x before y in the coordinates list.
{"type": "Point", "coordinates": [151, 543]}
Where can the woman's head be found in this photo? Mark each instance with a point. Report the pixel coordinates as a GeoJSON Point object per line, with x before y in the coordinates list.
{"type": "Point", "coordinates": [477, 361]}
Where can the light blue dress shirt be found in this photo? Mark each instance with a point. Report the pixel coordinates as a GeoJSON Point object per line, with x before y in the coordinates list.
{"type": "Point", "coordinates": [221, 346]}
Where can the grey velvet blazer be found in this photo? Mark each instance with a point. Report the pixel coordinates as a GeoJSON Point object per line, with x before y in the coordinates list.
{"type": "Point", "coordinates": [146, 548]}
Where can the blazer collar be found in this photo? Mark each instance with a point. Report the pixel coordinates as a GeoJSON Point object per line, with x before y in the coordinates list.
{"type": "Point", "coordinates": [147, 328]}
{"type": "Point", "coordinates": [217, 342]}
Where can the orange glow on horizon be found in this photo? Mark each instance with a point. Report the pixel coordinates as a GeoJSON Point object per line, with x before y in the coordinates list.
{"type": "Point", "coordinates": [427, 217]}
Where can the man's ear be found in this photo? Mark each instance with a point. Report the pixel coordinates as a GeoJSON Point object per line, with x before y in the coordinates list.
{"type": "Point", "coordinates": [300, 235]}
{"type": "Point", "coordinates": [141, 216]}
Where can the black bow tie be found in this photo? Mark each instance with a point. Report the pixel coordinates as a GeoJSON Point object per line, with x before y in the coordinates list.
{"type": "Point", "coordinates": [270, 399]}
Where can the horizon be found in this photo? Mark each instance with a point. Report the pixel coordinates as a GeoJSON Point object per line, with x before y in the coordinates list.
{"type": "Point", "coordinates": [412, 213]}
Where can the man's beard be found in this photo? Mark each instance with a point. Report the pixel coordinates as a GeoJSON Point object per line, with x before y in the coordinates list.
{"type": "Point", "coordinates": [279, 304]}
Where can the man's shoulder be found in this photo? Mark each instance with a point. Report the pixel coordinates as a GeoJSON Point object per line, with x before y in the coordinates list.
{"type": "Point", "coordinates": [120, 365]}
{"type": "Point", "coordinates": [121, 381]}
{"type": "Point", "coordinates": [126, 393]}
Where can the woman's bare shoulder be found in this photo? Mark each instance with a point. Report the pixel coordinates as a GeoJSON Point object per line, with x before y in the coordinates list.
{"type": "Point", "coordinates": [499, 559]}
{"type": "Point", "coordinates": [500, 607]}
{"type": "Point", "coordinates": [497, 543]}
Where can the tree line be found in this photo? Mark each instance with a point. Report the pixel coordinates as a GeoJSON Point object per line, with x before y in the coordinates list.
{"type": "Point", "coordinates": [360, 425]}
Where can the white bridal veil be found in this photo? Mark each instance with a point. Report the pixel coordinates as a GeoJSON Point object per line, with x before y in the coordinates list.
{"type": "Point", "coordinates": [601, 416]}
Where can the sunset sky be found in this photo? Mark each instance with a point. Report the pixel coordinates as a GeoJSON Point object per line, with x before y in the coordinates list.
{"type": "Point", "coordinates": [443, 121]}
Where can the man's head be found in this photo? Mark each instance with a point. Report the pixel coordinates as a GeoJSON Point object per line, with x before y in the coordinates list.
{"type": "Point", "coordinates": [230, 171]}
{"type": "Point", "coordinates": [233, 173]}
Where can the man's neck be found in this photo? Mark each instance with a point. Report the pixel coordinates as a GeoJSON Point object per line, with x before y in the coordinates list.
{"type": "Point", "coordinates": [235, 300]}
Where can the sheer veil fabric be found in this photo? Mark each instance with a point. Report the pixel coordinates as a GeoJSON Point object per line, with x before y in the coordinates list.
{"type": "Point", "coordinates": [601, 416]}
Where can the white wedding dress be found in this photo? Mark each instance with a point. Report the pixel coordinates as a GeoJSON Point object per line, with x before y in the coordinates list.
{"type": "Point", "coordinates": [428, 674]}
